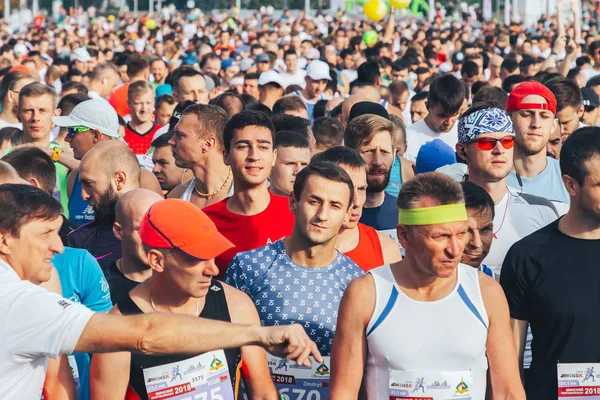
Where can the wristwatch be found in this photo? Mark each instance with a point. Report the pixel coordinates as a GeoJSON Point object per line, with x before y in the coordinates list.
{"type": "Point", "coordinates": [56, 154]}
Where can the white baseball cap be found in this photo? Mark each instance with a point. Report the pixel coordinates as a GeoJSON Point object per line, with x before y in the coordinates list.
{"type": "Point", "coordinates": [81, 54]}
{"type": "Point", "coordinates": [270, 77]}
{"type": "Point", "coordinates": [96, 114]}
{"type": "Point", "coordinates": [318, 70]}
{"type": "Point", "coordinates": [20, 49]}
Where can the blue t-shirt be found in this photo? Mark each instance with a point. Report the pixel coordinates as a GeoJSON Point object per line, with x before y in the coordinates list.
{"type": "Point", "coordinates": [287, 293]}
{"type": "Point", "coordinates": [80, 211]}
{"type": "Point", "coordinates": [395, 183]}
{"type": "Point", "coordinates": [82, 281]}
{"type": "Point", "coordinates": [547, 184]}
{"type": "Point", "coordinates": [383, 217]}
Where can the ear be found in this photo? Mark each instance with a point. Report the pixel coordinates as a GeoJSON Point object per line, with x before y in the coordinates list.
{"type": "Point", "coordinates": [274, 158]}
{"type": "Point", "coordinates": [120, 178]}
{"type": "Point", "coordinates": [118, 230]}
{"type": "Point", "coordinates": [293, 203]}
{"type": "Point", "coordinates": [571, 185]}
{"type": "Point", "coordinates": [580, 111]}
{"type": "Point", "coordinates": [156, 260]}
{"type": "Point", "coordinates": [34, 182]}
{"type": "Point", "coordinates": [460, 150]}
{"type": "Point", "coordinates": [403, 233]}
{"type": "Point", "coordinates": [57, 112]}
{"type": "Point", "coordinates": [414, 168]}
{"type": "Point", "coordinates": [556, 122]}
{"type": "Point", "coordinates": [96, 136]}
{"type": "Point", "coordinates": [226, 158]}
{"type": "Point", "coordinates": [5, 243]}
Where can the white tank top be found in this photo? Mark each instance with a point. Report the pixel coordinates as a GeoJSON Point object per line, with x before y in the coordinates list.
{"type": "Point", "coordinates": [187, 195]}
{"type": "Point", "coordinates": [447, 335]}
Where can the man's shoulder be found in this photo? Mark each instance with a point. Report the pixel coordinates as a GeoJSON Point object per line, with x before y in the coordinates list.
{"type": "Point", "coordinates": [536, 240]}
{"type": "Point", "coordinates": [267, 253]}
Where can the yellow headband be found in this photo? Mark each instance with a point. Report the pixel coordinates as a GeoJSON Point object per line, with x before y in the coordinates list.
{"type": "Point", "coordinates": [433, 215]}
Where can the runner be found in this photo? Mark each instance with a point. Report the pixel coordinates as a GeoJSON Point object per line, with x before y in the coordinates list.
{"type": "Point", "coordinates": [182, 282]}
{"type": "Point", "coordinates": [107, 171]}
{"type": "Point", "coordinates": [11, 85]}
{"type": "Point", "coordinates": [302, 278]}
{"type": "Point", "coordinates": [293, 154]}
{"type": "Point", "coordinates": [270, 87]}
{"type": "Point", "coordinates": [168, 174]}
{"type": "Point", "coordinates": [317, 75]}
{"type": "Point", "coordinates": [189, 84]}
{"type": "Point", "coordinates": [532, 108]}
{"type": "Point", "coordinates": [569, 104]}
{"type": "Point", "coordinates": [486, 140]}
{"type": "Point", "coordinates": [252, 216]}
{"type": "Point", "coordinates": [141, 128]}
{"type": "Point", "coordinates": [361, 243]}
{"type": "Point", "coordinates": [480, 211]}
{"type": "Point", "coordinates": [372, 137]}
{"type": "Point", "coordinates": [103, 81]}
{"type": "Point", "coordinates": [132, 268]}
{"type": "Point", "coordinates": [198, 145]}
{"type": "Point", "coordinates": [137, 70]}
{"type": "Point", "coordinates": [432, 289]}
{"type": "Point", "coordinates": [54, 325]}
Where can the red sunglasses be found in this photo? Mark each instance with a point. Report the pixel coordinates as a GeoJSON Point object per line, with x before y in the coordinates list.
{"type": "Point", "coordinates": [489, 143]}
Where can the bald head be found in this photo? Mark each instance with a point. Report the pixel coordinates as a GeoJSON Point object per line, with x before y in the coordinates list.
{"type": "Point", "coordinates": [369, 92]}
{"type": "Point", "coordinates": [133, 205]}
{"type": "Point", "coordinates": [109, 158]}
{"type": "Point", "coordinates": [333, 103]}
{"type": "Point", "coordinates": [349, 103]}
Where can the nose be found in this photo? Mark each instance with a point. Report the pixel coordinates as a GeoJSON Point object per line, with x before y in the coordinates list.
{"type": "Point", "coordinates": [68, 138]}
{"type": "Point", "coordinates": [498, 149]}
{"type": "Point", "coordinates": [475, 239]}
{"type": "Point", "coordinates": [536, 121]}
{"type": "Point", "coordinates": [56, 246]}
{"type": "Point", "coordinates": [155, 169]}
{"type": "Point", "coordinates": [377, 159]}
{"type": "Point", "coordinates": [454, 248]}
{"type": "Point", "coordinates": [84, 195]}
{"type": "Point", "coordinates": [253, 153]}
{"type": "Point", "coordinates": [322, 212]}
{"type": "Point", "coordinates": [171, 141]}
{"type": "Point", "coordinates": [297, 168]}
{"type": "Point", "coordinates": [211, 268]}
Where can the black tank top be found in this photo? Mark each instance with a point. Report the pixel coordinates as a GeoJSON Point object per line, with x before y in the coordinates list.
{"type": "Point", "coordinates": [215, 307]}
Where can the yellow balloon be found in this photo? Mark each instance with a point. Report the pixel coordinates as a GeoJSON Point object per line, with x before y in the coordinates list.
{"type": "Point", "coordinates": [375, 10]}
{"type": "Point", "coordinates": [400, 3]}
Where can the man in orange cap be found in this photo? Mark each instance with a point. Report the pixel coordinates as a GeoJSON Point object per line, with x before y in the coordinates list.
{"type": "Point", "coordinates": [181, 257]}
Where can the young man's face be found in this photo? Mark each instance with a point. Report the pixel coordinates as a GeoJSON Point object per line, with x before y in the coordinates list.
{"type": "Point", "coordinates": [251, 155]}
{"type": "Point", "coordinates": [533, 127]}
{"type": "Point", "coordinates": [142, 107]}
{"type": "Point", "coordinates": [590, 118]}
{"type": "Point", "coordinates": [291, 61]}
{"type": "Point", "coordinates": [439, 120]}
{"type": "Point", "coordinates": [315, 88]}
{"type": "Point", "coordinates": [164, 112]}
{"type": "Point", "coordinates": [569, 118]}
{"type": "Point", "coordinates": [36, 115]}
{"type": "Point", "coordinates": [192, 88]}
{"type": "Point", "coordinates": [251, 88]}
{"type": "Point", "coordinates": [167, 173]}
{"type": "Point", "coordinates": [290, 161]}
{"type": "Point", "coordinates": [418, 110]}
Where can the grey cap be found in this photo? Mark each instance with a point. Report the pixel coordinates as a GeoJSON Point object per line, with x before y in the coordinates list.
{"type": "Point", "coordinates": [210, 83]}
{"type": "Point", "coordinates": [246, 64]}
{"type": "Point", "coordinates": [263, 57]}
{"type": "Point", "coordinates": [96, 114]}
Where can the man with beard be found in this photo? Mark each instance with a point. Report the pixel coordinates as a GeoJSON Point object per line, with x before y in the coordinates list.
{"type": "Point", "coordinates": [364, 245]}
{"type": "Point", "coordinates": [132, 268]}
{"type": "Point", "coordinates": [530, 106]}
{"type": "Point", "coordinates": [107, 171]}
{"type": "Point", "coordinates": [447, 96]}
{"type": "Point", "coordinates": [551, 277]}
{"type": "Point", "coordinates": [373, 138]}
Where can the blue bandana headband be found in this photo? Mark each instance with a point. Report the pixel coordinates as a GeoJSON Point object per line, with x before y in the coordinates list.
{"type": "Point", "coordinates": [484, 121]}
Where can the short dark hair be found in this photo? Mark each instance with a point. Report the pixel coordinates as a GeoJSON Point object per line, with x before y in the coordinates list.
{"type": "Point", "coordinates": [581, 146]}
{"type": "Point", "coordinates": [32, 162]}
{"type": "Point", "coordinates": [326, 169]}
{"type": "Point", "coordinates": [244, 119]}
{"type": "Point", "coordinates": [567, 93]}
{"type": "Point", "coordinates": [12, 134]}
{"type": "Point", "coordinates": [136, 64]}
{"type": "Point", "coordinates": [368, 72]}
{"type": "Point", "coordinates": [288, 103]}
{"type": "Point", "coordinates": [68, 103]}
{"type": "Point", "coordinates": [364, 127]}
{"type": "Point", "coordinates": [476, 197]}
{"type": "Point", "coordinates": [286, 122]}
{"type": "Point", "coordinates": [341, 155]}
{"type": "Point", "coordinates": [162, 140]}
{"type": "Point", "coordinates": [80, 88]}
{"type": "Point", "coordinates": [470, 69]}
{"type": "Point", "coordinates": [448, 92]}
{"type": "Point", "coordinates": [592, 83]}
{"type": "Point", "coordinates": [165, 98]}
{"type": "Point", "coordinates": [511, 81]}
{"type": "Point", "coordinates": [493, 95]}
{"type": "Point", "coordinates": [319, 109]}
{"type": "Point", "coordinates": [183, 73]}
{"type": "Point", "coordinates": [21, 204]}
{"type": "Point", "coordinates": [509, 64]}
{"type": "Point", "coordinates": [595, 45]}
{"type": "Point", "coordinates": [420, 96]}
{"type": "Point", "coordinates": [212, 120]}
{"type": "Point", "coordinates": [442, 188]}
{"type": "Point", "coordinates": [260, 107]}
{"type": "Point", "coordinates": [477, 86]}
{"type": "Point", "coordinates": [328, 132]}
{"type": "Point", "coordinates": [252, 77]}
{"type": "Point", "coordinates": [291, 139]}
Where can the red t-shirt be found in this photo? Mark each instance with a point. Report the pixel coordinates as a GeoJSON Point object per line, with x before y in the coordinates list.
{"type": "Point", "coordinates": [118, 100]}
{"type": "Point", "coordinates": [368, 253]}
{"type": "Point", "coordinates": [249, 232]}
{"type": "Point", "coordinates": [139, 142]}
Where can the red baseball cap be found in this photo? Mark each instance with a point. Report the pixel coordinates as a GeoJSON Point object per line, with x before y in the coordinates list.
{"type": "Point", "coordinates": [525, 89]}
{"type": "Point", "coordinates": [175, 223]}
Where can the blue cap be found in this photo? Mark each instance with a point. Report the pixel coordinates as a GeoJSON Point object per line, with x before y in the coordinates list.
{"type": "Point", "coordinates": [434, 155]}
{"type": "Point", "coordinates": [227, 63]}
{"type": "Point", "coordinates": [161, 90]}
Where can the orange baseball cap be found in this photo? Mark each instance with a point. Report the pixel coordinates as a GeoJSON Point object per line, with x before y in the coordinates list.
{"type": "Point", "coordinates": [21, 68]}
{"type": "Point", "coordinates": [178, 224]}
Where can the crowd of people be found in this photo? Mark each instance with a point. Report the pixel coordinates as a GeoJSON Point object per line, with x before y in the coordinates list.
{"type": "Point", "coordinates": [415, 215]}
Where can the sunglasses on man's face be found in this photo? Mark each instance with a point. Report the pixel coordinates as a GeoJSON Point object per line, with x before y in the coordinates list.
{"type": "Point", "coordinates": [488, 144]}
{"type": "Point", "coordinates": [74, 130]}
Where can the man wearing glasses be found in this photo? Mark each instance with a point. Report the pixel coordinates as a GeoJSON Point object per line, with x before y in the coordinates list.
{"type": "Point", "coordinates": [486, 139]}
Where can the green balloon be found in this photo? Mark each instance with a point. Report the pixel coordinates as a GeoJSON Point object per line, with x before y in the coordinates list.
{"type": "Point", "coordinates": [370, 38]}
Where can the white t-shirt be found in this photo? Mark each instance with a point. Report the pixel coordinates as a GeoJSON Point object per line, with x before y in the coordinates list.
{"type": "Point", "coordinates": [34, 326]}
{"type": "Point", "coordinates": [419, 134]}
{"type": "Point", "coordinates": [516, 216]}
{"type": "Point", "coordinates": [590, 72]}
{"type": "Point", "coordinates": [5, 124]}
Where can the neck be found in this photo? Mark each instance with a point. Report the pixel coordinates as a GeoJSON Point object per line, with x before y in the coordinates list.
{"type": "Point", "coordinates": [249, 200]}
{"type": "Point", "coordinates": [43, 141]}
{"type": "Point", "coordinates": [347, 239]}
{"type": "Point", "coordinates": [141, 127]}
{"type": "Point", "coordinates": [96, 87]}
{"type": "Point", "coordinates": [307, 96]}
{"type": "Point", "coordinates": [374, 199]}
{"type": "Point", "coordinates": [210, 174]}
{"type": "Point", "coordinates": [430, 124]}
{"type": "Point", "coordinates": [497, 190]}
{"type": "Point", "coordinates": [307, 254]}
{"type": "Point", "coordinates": [268, 101]}
{"type": "Point", "coordinates": [8, 115]}
{"type": "Point", "coordinates": [579, 224]}
{"type": "Point", "coordinates": [529, 166]}
{"type": "Point", "coordinates": [133, 268]}
{"type": "Point", "coordinates": [278, 192]}
{"type": "Point", "coordinates": [168, 298]}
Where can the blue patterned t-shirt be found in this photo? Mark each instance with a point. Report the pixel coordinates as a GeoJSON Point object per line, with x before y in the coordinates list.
{"type": "Point", "coordinates": [287, 293]}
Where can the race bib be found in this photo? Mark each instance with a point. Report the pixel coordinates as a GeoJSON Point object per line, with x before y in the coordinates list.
{"type": "Point", "coordinates": [415, 385]}
{"type": "Point", "coordinates": [74, 370]}
{"type": "Point", "coordinates": [579, 381]}
{"type": "Point", "coordinates": [204, 377]}
{"type": "Point", "coordinates": [296, 382]}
